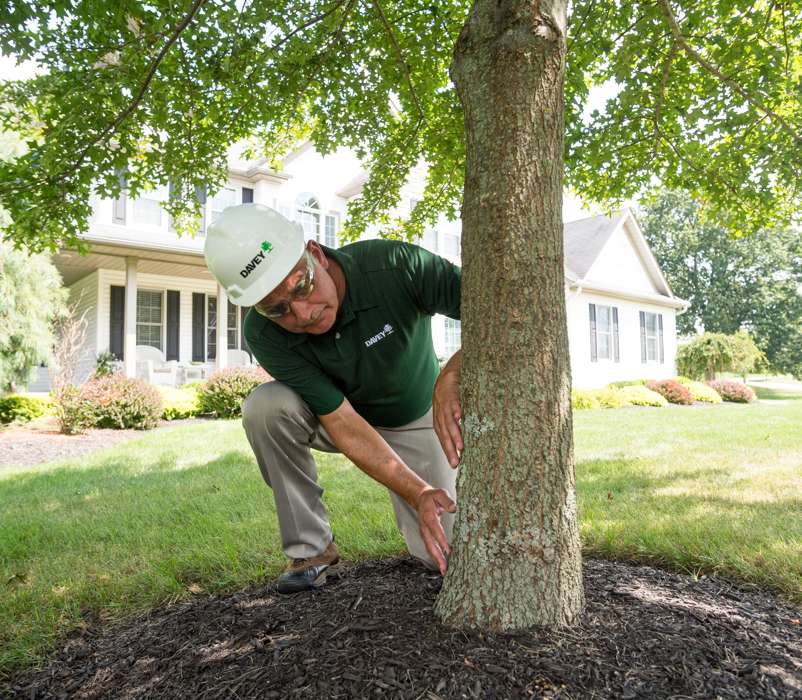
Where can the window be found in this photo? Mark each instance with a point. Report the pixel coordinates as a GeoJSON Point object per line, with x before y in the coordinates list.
{"type": "Point", "coordinates": [331, 230]}
{"type": "Point", "coordinates": [651, 337]}
{"type": "Point", "coordinates": [149, 318]}
{"type": "Point", "coordinates": [147, 208]}
{"type": "Point", "coordinates": [451, 245]}
{"type": "Point", "coordinates": [211, 328]}
{"type": "Point", "coordinates": [308, 214]}
{"type": "Point", "coordinates": [603, 333]}
{"type": "Point", "coordinates": [227, 197]}
{"type": "Point", "coordinates": [233, 327]}
{"type": "Point", "coordinates": [452, 335]}
{"type": "Point", "coordinates": [430, 240]}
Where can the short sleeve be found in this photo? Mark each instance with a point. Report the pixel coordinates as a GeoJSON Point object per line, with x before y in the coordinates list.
{"type": "Point", "coordinates": [433, 282]}
{"type": "Point", "coordinates": [292, 369]}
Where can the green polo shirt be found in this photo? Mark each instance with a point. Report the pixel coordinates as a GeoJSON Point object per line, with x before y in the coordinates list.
{"type": "Point", "coordinates": [379, 352]}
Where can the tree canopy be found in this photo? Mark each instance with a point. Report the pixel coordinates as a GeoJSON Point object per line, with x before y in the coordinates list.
{"type": "Point", "coordinates": [750, 283]}
{"type": "Point", "coordinates": [708, 98]}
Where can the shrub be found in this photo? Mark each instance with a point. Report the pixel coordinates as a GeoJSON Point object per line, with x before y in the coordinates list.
{"type": "Point", "coordinates": [120, 402]}
{"type": "Point", "coordinates": [730, 390]}
{"type": "Point", "coordinates": [179, 403]}
{"type": "Point", "coordinates": [610, 397]}
{"type": "Point", "coordinates": [628, 382]}
{"type": "Point", "coordinates": [642, 396]}
{"type": "Point", "coordinates": [672, 391]}
{"type": "Point", "coordinates": [710, 353]}
{"type": "Point", "coordinates": [226, 389]}
{"type": "Point", "coordinates": [700, 391]}
{"type": "Point", "coordinates": [105, 364]}
{"type": "Point", "coordinates": [73, 411]}
{"type": "Point", "coordinates": [581, 400]}
{"type": "Point", "coordinates": [22, 408]}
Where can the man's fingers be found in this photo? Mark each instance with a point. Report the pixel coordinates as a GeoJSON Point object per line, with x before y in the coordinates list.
{"type": "Point", "coordinates": [444, 435]}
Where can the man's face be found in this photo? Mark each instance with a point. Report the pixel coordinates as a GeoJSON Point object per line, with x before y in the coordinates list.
{"type": "Point", "coordinates": [317, 312]}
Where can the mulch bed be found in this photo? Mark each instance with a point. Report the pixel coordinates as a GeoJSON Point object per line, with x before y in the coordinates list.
{"type": "Point", "coordinates": [40, 441]}
{"type": "Point", "coordinates": [370, 632]}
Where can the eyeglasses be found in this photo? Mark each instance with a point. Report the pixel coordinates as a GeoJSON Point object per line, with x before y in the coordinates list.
{"type": "Point", "coordinates": [302, 290]}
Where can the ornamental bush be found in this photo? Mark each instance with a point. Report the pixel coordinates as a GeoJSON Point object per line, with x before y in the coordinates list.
{"type": "Point", "coordinates": [119, 402]}
{"type": "Point", "coordinates": [226, 389]}
{"type": "Point", "coordinates": [179, 403]}
{"type": "Point", "coordinates": [642, 396]}
{"type": "Point", "coordinates": [610, 397]}
{"type": "Point", "coordinates": [22, 408]}
{"type": "Point", "coordinates": [700, 391]}
{"type": "Point", "coordinates": [628, 382]}
{"type": "Point", "coordinates": [672, 391]}
{"type": "Point", "coordinates": [73, 411]}
{"type": "Point", "coordinates": [730, 390]}
{"type": "Point", "coordinates": [581, 400]}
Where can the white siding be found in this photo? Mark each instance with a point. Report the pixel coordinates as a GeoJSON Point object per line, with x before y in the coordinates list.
{"type": "Point", "coordinates": [84, 295]}
{"type": "Point", "coordinates": [587, 374]}
{"type": "Point", "coordinates": [619, 264]}
{"type": "Point", "coordinates": [185, 286]}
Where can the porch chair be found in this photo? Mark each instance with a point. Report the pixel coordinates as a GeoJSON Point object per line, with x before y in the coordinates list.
{"type": "Point", "coordinates": [152, 367]}
{"type": "Point", "coordinates": [238, 358]}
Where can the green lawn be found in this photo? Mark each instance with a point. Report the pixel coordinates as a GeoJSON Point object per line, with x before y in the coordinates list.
{"type": "Point", "coordinates": [697, 489]}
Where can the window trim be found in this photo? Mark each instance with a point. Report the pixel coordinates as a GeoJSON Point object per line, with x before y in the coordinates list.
{"type": "Point", "coordinates": [302, 207]}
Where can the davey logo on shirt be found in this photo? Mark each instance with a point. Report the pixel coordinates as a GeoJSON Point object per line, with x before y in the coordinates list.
{"type": "Point", "coordinates": [381, 335]}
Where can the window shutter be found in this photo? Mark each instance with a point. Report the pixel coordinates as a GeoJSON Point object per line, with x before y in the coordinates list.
{"type": "Point", "coordinates": [198, 326]}
{"type": "Point", "coordinates": [173, 324]}
{"type": "Point", "coordinates": [616, 352]}
{"type": "Point", "coordinates": [200, 195]}
{"type": "Point", "coordinates": [117, 323]}
{"type": "Point", "coordinates": [247, 195]}
{"type": "Point", "coordinates": [642, 337]}
{"type": "Point", "coordinates": [594, 353]}
{"type": "Point", "coordinates": [660, 337]}
{"type": "Point", "coordinates": [243, 312]}
{"type": "Point", "coordinates": [118, 209]}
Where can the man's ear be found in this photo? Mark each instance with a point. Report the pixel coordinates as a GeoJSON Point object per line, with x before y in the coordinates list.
{"type": "Point", "coordinates": [317, 253]}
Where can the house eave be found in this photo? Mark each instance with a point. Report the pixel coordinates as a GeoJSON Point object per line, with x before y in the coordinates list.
{"type": "Point", "coordinates": [632, 295]}
{"type": "Point", "coordinates": [259, 173]}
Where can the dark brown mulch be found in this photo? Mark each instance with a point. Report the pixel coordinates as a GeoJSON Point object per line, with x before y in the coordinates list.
{"type": "Point", "coordinates": [370, 633]}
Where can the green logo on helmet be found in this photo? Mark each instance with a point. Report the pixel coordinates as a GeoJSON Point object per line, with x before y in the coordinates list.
{"type": "Point", "coordinates": [266, 246]}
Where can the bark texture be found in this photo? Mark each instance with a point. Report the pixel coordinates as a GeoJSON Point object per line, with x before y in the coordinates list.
{"type": "Point", "coordinates": [516, 560]}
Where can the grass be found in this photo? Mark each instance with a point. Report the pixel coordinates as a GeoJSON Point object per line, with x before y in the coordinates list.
{"type": "Point", "coordinates": [182, 511]}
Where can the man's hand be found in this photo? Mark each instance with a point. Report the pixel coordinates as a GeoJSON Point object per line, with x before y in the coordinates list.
{"type": "Point", "coordinates": [446, 411]}
{"type": "Point", "coordinates": [432, 503]}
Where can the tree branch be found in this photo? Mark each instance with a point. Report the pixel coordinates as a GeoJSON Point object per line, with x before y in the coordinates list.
{"type": "Point", "coordinates": [661, 95]}
{"type": "Point", "coordinates": [714, 71]}
{"type": "Point", "coordinates": [122, 116]}
{"type": "Point", "coordinates": [400, 57]}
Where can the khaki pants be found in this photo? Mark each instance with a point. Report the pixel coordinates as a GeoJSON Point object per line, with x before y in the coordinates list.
{"type": "Point", "coordinates": [283, 430]}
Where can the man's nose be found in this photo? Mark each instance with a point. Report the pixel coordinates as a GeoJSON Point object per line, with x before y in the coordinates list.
{"type": "Point", "coordinates": [302, 310]}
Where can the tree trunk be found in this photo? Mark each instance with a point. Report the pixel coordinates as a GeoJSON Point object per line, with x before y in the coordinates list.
{"type": "Point", "coordinates": [516, 561]}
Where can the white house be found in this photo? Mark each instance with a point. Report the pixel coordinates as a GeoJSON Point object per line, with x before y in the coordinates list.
{"type": "Point", "coordinates": [142, 285]}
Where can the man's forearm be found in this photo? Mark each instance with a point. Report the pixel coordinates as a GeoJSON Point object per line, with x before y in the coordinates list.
{"type": "Point", "coordinates": [362, 444]}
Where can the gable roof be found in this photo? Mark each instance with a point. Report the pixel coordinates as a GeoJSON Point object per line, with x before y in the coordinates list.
{"type": "Point", "coordinates": [584, 240]}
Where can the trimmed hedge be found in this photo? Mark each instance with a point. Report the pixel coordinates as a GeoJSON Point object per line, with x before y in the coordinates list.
{"type": "Point", "coordinates": [224, 392]}
{"type": "Point", "coordinates": [700, 391]}
{"type": "Point", "coordinates": [639, 395]}
{"type": "Point", "coordinates": [629, 382]}
{"type": "Point", "coordinates": [179, 402]}
{"type": "Point", "coordinates": [22, 408]}
{"type": "Point", "coordinates": [581, 400]}
{"type": "Point", "coordinates": [610, 397]}
{"type": "Point", "coordinates": [730, 390]}
{"type": "Point", "coordinates": [672, 391]}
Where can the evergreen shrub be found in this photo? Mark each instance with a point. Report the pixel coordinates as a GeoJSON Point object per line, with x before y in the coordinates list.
{"type": "Point", "coordinates": [224, 392]}
{"type": "Point", "coordinates": [700, 391]}
{"type": "Point", "coordinates": [581, 399]}
{"type": "Point", "coordinates": [642, 396]}
{"type": "Point", "coordinates": [672, 391]}
{"type": "Point", "coordinates": [730, 390]}
{"type": "Point", "coordinates": [628, 382]}
{"type": "Point", "coordinates": [610, 397]}
{"type": "Point", "coordinates": [119, 402]}
{"type": "Point", "coordinates": [22, 408]}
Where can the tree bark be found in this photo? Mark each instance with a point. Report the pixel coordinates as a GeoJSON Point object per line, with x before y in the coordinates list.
{"type": "Point", "coordinates": [515, 560]}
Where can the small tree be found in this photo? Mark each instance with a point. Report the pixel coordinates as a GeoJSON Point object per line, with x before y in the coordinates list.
{"type": "Point", "coordinates": [710, 353]}
{"type": "Point", "coordinates": [69, 331]}
{"type": "Point", "coordinates": [31, 295]}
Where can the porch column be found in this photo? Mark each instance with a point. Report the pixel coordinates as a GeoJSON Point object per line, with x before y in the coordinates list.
{"type": "Point", "coordinates": [129, 350]}
{"type": "Point", "coordinates": [222, 328]}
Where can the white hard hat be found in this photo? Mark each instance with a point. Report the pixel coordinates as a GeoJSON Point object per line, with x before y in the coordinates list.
{"type": "Point", "coordinates": [249, 249]}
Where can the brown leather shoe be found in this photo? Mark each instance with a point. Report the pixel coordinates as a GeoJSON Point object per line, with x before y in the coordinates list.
{"type": "Point", "coordinates": [306, 574]}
